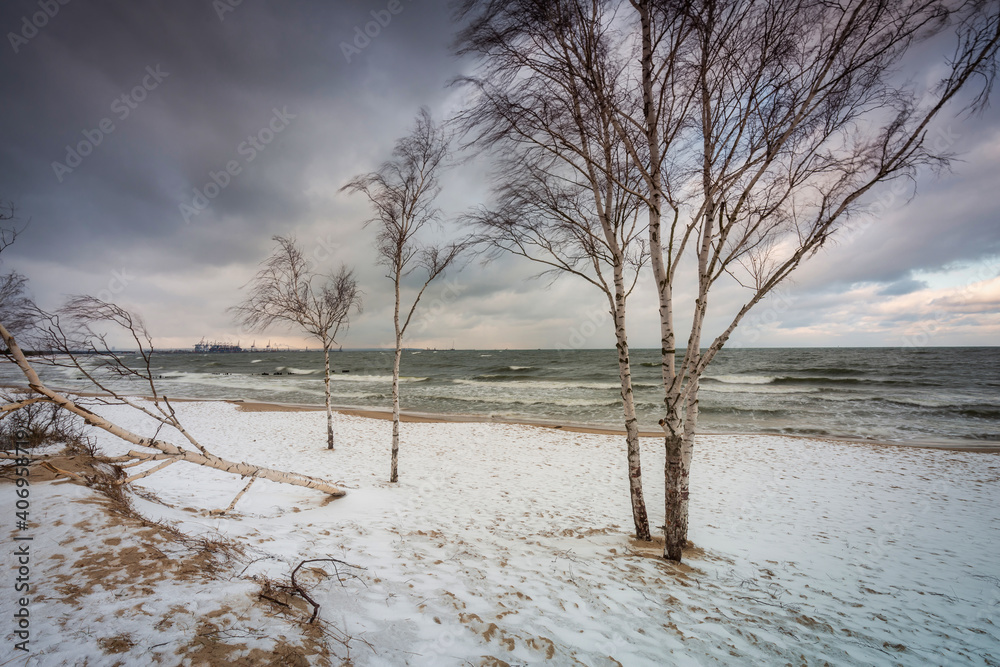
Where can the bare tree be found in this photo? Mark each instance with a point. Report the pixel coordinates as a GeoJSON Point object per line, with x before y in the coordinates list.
{"type": "Point", "coordinates": [402, 193]}
{"type": "Point", "coordinates": [287, 290]}
{"type": "Point", "coordinates": [563, 185]}
{"type": "Point", "coordinates": [15, 305]}
{"type": "Point", "coordinates": [758, 128]}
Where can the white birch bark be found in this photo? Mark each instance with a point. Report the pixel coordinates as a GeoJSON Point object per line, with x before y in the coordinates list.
{"type": "Point", "coordinates": [394, 463]}
{"type": "Point", "coordinates": [639, 515]}
{"type": "Point", "coordinates": [674, 472]}
{"type": "Point", "coordinates": [329, 406]}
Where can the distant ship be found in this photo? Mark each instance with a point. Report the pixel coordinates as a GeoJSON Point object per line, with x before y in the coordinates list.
{"type": "Point", "coordinates": [215, 346]}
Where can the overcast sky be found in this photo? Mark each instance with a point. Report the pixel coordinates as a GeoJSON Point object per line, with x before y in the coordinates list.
{"type": "Point", "coordinates": [172, 93]}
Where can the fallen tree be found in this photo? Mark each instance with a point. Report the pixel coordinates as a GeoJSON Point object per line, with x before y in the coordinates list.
{"type": "Point", "coordinates": [83, 313]}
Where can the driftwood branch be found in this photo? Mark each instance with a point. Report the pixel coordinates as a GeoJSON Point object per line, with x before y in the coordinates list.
{"type": "Point", "coordinates": [297, 588]}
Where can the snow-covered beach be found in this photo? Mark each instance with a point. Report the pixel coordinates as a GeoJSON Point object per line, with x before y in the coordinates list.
{"type": "Point", "coordinates": [508, 544]}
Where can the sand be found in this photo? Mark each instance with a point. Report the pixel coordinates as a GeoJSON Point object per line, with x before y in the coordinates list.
{"type": "Point", "coordinates": [510, 544]}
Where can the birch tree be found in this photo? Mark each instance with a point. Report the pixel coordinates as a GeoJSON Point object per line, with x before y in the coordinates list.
{"type": "Point", "coordinates": [758, 127]}
{"type": "Point", "coordinates": [402, 194]}
{"type": "Point", "coordinates": [286, 290]}
{"type": "Point", "coordinates": [563, 185]}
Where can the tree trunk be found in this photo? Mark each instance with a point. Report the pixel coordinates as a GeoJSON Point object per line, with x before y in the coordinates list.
{"type": "Point", "coordinates": [394, 467]}
{"type": "Point", "coordinates": [639, 516]}
{"type": "Point", "coordinates": [675, 475]}
{"type": "Point", "coordinates": [394, 470]}
{"type": "Point", "coordinates": [675, 501]}
{"type": "Point", "coordinates": [329, 407]}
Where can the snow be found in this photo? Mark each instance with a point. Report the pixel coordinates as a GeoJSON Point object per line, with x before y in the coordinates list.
{"type": "Point", "coordinates": [507, 544]}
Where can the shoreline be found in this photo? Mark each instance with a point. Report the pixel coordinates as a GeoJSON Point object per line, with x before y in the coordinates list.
{"type": "Point", "coordinates": [409, 416]}
{"type": "Point", "coordinates": [445, 418]}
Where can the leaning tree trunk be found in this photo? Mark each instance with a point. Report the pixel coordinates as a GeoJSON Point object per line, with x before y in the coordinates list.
{"type": "Point", "coordinates": [639, 516]}
{"type": "Point", "coordinates": [329, 407]}
{"type": "Point", "coordinates": [168, 453]}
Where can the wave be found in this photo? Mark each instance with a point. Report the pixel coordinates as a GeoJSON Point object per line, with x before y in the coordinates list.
{"type": "Point", "coordinates": [790, 379]}
{"type": "Point", "coordinates": [256, 361]}
{"type": "Point", "coordinates": [722, 388]}
{"type": "Point", "coordinates": [296, 371]}
{"type": "Point", "coordinates": [977, 410]}
{"type": "Point", "coordinates": [512, 400]}
{"type": "Point", "coordinates": [740, 379]}
{"type": "Point", "coordinates": [732, 410]}
{"type": "Point", "coordinates": [808, 379]}
{"type": "Point", "coordinates": [521, 384]}
{"type": "Point", "coordinates": [803, 430]}
{"type": "Point", "coordinates": [496, 371]}
{"type": "Point", "coordinates": [357, 395]}
{"type": "Point", "coordinates": [980, 412]}
{"type": "Point", "coordinates": [375, 379]}
{"type": "Point", "coordinates": [989, 437]}
{"type": "Point", "coordinates": [832, 371]}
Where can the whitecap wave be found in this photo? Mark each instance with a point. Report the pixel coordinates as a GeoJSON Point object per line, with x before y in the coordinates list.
{"type": "Point", "coordinates": [528, 385]}
{"type": "Point", "coordinates": [742, 379]}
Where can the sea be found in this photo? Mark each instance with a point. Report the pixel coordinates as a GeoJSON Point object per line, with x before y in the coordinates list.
{"type": "Point", "coordinates": [929, 395]}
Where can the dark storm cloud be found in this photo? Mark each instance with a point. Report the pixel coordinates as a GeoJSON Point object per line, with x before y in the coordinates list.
{"type": "Point", "coordinates": [189, 87]}
{"type": "Point", "coordinates": [221, 83]}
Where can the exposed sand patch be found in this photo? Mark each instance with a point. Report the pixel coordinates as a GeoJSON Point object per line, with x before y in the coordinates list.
{"type": "Point", "coordinates": [144, 594]}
